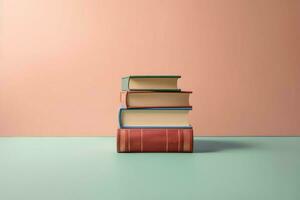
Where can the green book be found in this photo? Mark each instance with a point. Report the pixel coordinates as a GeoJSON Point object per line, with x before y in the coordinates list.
{"type": "Point", "coordinates": [150, 83]}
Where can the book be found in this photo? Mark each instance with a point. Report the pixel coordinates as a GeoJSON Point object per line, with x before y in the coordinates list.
{"type": "Point", "coordinates": [154, 118]}
{"type": "Point", "coordinates": [150, 83]}
{"type": "Point", "coordinates": [144, 99]}
{"type": "Point", "coordinates": [155, 140]}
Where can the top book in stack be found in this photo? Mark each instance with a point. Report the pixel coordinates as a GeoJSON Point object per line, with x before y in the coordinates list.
{"type": "Point", "coordinates": [150, 83]}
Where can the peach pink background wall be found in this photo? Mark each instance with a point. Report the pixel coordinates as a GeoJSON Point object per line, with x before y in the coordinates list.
{"type": "Point", "coordinates": [62, 60]}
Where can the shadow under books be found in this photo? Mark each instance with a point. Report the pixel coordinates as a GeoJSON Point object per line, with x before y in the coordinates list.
{"type": "Point", "coordinates": [207, 146]}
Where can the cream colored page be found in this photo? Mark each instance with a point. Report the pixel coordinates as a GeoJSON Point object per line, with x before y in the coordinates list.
{"type": "Point", "coordinates": [155, 118]}
{"type": "Point", "coordinates": [158, 99]}
{"type": "Point", "coordinates": [153, 83]}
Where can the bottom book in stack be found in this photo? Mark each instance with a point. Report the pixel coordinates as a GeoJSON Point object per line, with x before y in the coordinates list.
{"type": "Point", "coordinates": [155, 140]}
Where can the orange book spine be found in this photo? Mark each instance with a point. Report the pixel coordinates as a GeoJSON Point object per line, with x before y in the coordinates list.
{"type": "Point", "coordinates": [123, 99]}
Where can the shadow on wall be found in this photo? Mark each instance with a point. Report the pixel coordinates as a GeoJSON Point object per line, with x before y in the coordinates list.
{"type": "Point", "coordinates": [207, 146]}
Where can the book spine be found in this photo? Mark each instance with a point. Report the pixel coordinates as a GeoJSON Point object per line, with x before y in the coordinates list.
{"type": "Point", "coordinates": [154, 140]}
{"type": "Point", "coordinates": [125, 84]}
{"type": "Point", "coordinates": [123, 99]}
{"type": "Point", "coordinates": [120, 117]}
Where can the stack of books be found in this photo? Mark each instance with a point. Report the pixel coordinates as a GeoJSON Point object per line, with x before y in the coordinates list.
{"type": "Point", "coordinates": [154, 115]}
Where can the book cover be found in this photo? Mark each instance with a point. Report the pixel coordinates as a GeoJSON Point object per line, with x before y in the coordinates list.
{"type": "Point", "coordinates": [155, 140]}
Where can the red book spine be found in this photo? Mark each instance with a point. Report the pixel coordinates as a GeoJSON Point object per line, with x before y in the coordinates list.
{"type": "Point", "coordinates": [155, 140]}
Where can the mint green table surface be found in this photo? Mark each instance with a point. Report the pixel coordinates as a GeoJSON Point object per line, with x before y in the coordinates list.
{"type": "Point", "coordinates": [243, 168]}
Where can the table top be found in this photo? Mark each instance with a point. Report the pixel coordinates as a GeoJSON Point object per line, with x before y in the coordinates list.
{"type": "Point", "coordinates": [90, 169]}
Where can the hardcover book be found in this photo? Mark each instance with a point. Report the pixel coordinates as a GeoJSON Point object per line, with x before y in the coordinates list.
{"type": "Point", "coordinates": [150, 83]}
{"type": "Point", "coordinates": [154, 118]}
{"type": "Point", "coordinates": [155, 140]}
{"type": "Point", "coordinates": [144, 99]}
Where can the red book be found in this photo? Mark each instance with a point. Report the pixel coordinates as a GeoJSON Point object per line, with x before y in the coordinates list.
{"type": "Point", "coordinates": [155, 140]}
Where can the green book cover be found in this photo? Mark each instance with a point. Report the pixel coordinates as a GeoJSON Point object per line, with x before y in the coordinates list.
{"type": "Point", "coordinates": [152, 76]}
